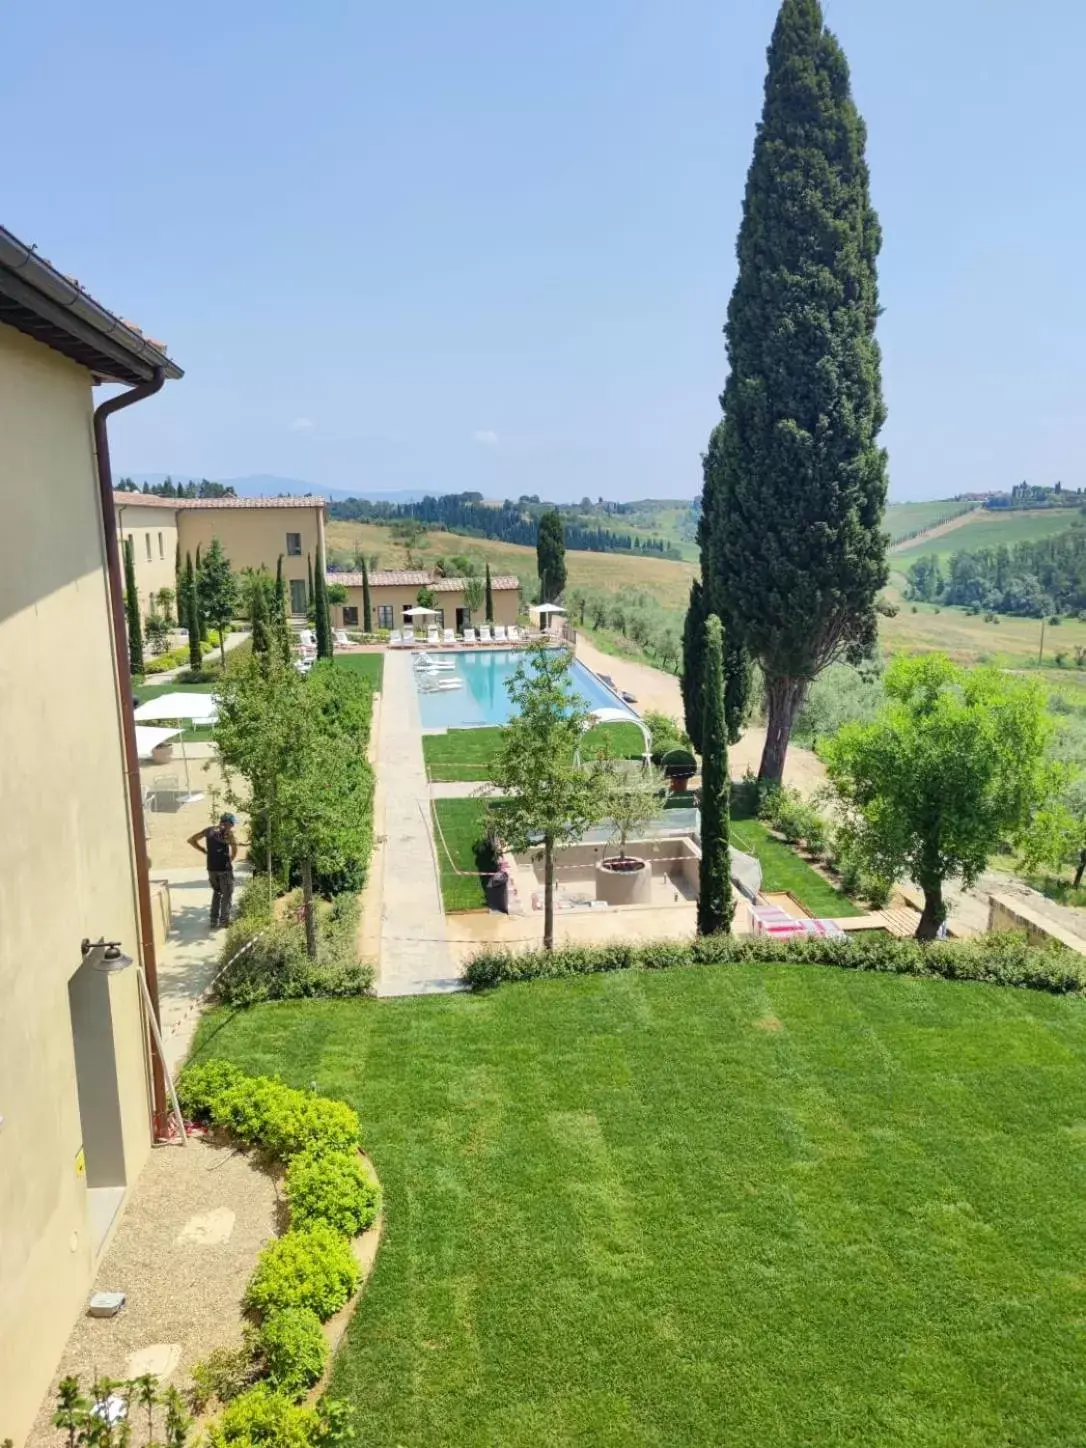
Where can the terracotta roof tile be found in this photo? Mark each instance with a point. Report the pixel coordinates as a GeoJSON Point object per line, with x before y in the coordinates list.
{"type": "Point", "coordinates": [419, 578]}
{"type": "Point", "coordinates": [152, 500]}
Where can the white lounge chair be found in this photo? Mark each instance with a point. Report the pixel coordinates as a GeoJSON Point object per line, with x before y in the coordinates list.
{"type": "Point", "coordinates": [409, 638]}
{"type": "Point", "coordinates": [432, 635]}
{"type": "Point", "coordinates": [513, 634]}
{"type": "Point", "coordinates": [307, 638]}
{"type": "Point", "coordinates": [340, 639]}
{"type": "Point", "coordinates": [395, 639]}
{"type": "Point", "coordinates": [469, 635]}
{"type": "Point", "coordinates": [499, 633]}
{"type": "Point", "coordinates": [450, 637]}
{"type": "Point", "coordinates": [484, 634]}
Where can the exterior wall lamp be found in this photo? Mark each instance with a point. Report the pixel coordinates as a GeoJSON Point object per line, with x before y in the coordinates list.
{"type": "Point", "coordinates": [105, 955]}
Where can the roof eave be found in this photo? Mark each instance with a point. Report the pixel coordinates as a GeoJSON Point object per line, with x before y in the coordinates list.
{"type": "Point", "coordinates": [38, 301]}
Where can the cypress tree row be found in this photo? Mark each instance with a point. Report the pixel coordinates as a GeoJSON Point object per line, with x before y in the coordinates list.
{"type": "Point", "coordinates": [367, 602]}
{"type": "Point", "coordinates": [323, 625]}
{"type": "Point", "coordinates": [489, 596]}
{"type": "Point", "coordinates": [793, 553]}
{"type": "Point", "coordinates": [192, 616]}
{"type": "Point", "coordinates": [715, 903]}
{"type": "Point", "coordinates": [132, 611]}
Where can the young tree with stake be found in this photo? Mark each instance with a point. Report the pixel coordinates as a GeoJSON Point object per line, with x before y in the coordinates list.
{"type": "Point", "coordinates": [217, 589]}
{"type": "Point", "coordinates": [132, 611]}
{"type": "Point", "coordinates": [547, 792]}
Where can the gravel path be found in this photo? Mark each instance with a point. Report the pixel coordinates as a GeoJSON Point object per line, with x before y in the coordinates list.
{"type": "Point", "coordinates": [183, 1253]}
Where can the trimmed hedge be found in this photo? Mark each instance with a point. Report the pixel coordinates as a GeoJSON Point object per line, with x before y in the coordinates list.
{"type": "Point", "coordinates": [334, 1188]}
{"type": "Point", "coordinates": [1003, 958]}
{"type": "Point", "coordinates": [292, 1348]}
{"type": "Point", "coordinates": [263, 1112]}
{"type": "Point", "coordinates": [310, 1267]}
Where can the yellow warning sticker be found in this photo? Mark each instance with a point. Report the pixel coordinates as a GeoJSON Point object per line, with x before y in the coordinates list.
{"type": "Point", "coordinates": [80, 1163]}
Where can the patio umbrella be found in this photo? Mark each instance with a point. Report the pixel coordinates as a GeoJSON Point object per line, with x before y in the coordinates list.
{"type": "Point", "coordinates": [148, 739]}
{"type": "Point", "coordinates": [420, 612]}
{"type": "Point", "coordinates": [546, 608]}
{"type": "Point", "coordinates": [193, 708]}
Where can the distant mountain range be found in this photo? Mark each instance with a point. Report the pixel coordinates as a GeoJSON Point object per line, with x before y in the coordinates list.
{"type": "Point", "coordinates": [267, 485]}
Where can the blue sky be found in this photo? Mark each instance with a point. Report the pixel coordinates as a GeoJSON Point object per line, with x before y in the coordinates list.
{"type": "Point", "coordinates": [490, 245]}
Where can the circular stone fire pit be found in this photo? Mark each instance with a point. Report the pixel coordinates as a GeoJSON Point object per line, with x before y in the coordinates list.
{"type": "Point", "coordinates": [624, 880]}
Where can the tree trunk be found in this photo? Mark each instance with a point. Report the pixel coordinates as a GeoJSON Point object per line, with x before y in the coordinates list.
{"type": "Point", "coordinates": [309, 910]}
{"type": "Point", "coordinates": [934, 913]}
{"type": "Point", "coordinates": [222, 643]}
{"type": "Point", "coordinates": [1080, 868]}
{"type": "Point", "coordinates": [783, 699]}
{"type": "Point", "coordinates": [548, 895]}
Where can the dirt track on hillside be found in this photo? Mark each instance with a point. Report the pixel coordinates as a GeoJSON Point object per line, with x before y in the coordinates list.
{"type": "Point", "coordinates": [937, 532]}
{"type": "Point", "coordinates": [658, 692]}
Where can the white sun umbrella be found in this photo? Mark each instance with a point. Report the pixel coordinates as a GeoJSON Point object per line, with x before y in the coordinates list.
{"type": "Point", "coordinates": [193, 708]}
{"type": "Point", "coordinates": [149, 738]}
{"type": "Point", "coordinates": [419, 612]}
{"type": "Point", "coordinates": [546, 608]}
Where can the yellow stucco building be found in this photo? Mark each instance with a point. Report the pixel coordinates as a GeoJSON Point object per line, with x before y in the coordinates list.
{"type": "Point", "coordinates": [76, 1074]}
{"type": "Point", "coordinates": [254, 533]}
{"type": "Point", "coordinates": [395, 590]}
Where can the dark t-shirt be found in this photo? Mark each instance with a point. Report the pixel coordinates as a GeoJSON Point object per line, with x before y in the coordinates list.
{"type": "Point", "coordinates": [217, 838]}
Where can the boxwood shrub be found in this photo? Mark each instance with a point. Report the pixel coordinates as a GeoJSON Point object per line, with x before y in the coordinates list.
{"type": "Point", "coordinates": [263, 1112]}
{"type": "Point", "coordinates": [333, 1187]}
{"type": "Point", "coordinates": [291, 1347]}
{"type": "Point", "coordinates": [312, 1267]}
{"type": "Point", "coordinates": [1002, 958]}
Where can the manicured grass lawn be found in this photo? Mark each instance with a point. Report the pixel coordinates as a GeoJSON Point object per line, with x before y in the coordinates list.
{"type": "Point", "coordinates": [463, 825]}
{"type": "Point", "coordinates": [467, 754]}
{"type": "Point", "coordinates": [756, 1206]}
{"type": "Point", "coordinates": [784, 869]}
{"type": "Point", "coordinates": [370, 666]}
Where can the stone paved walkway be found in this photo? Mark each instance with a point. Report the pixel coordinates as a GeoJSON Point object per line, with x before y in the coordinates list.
{"type": "Point", "coordinates": [415, 957]}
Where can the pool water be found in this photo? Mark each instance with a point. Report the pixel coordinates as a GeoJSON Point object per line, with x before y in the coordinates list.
{"type": "Point", "coordinates": [483, 698]}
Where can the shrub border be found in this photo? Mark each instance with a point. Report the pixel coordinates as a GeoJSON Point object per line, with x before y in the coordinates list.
{"type": "Point", "coordinates": [363, 1247]}
{"type": "Point", "coordinates": [1002, 959]}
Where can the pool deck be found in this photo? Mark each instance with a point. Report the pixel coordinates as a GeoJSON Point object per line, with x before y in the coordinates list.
{"type": "Point", "coordinates": [414, 954]}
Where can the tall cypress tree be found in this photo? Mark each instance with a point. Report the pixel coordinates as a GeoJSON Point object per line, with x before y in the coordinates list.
{"type": "Point", "coordinates": [367, 602]}
{"type": "Point", "coordinates": [201, 616]}
{"type": "Point", "coordinates": [310, 596]}
{"type": "Point", "coordinates": [715, 903]}
{"type": "Point", "coordinates": [132, 611]}
{"type": "Point", "coordinates": [323, 625]}
{"type": "Point", "coordinates": [280, 626]}
{"type": "Point", "coordinates": [793, 553]}
{"type": "Point", "coordinates": [489, 604]}
{"type": "Point", "coordinates": [192, 616]}
{"type": "Point", "coordinates": [550, 552]}
{"type": "Point", "coordinates": [692, 680]}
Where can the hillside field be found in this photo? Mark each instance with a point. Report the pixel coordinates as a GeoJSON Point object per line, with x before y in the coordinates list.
{"type": "Point", "coordinates": [905, 518]}
{"type": "Point", "coordinates": [668, 581]}
{"type": "Point", "coordinates": [989, 530]}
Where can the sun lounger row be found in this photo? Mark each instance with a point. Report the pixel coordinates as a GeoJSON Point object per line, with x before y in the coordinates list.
{"type": "Point", "coordinates": [445, 638]}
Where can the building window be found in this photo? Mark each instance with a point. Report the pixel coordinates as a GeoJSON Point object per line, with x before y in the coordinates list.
{"type": "Point", "coordinates": [384, 615]}
{"type": "Point", "coordinates": [161, 547]}
{"type": "Point", "coordinates": [147, 540]}
{"type": "Point", "coordinates": [297, 595]}
{"type": "Point", "coordinates": [350, 616]}
{"type": "Point", "coordinates": [294, 545]}
{"type": "Point", "coordinates": [440, 620]}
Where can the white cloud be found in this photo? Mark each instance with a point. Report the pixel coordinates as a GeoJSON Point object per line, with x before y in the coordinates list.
{"type": "Point", "coordinates": [485, 437]}
{"type": "Point", "coordinates": [301, 424]}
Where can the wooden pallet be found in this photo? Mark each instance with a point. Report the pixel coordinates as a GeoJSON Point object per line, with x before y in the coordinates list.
{"type": "Point", "coordinates": [900, 920]}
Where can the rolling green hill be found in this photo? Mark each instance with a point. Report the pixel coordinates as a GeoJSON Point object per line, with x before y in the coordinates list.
{"type": "Point", "coordinates": [989, 530]}
{"type": "Point", "coordinates": [904, 519]}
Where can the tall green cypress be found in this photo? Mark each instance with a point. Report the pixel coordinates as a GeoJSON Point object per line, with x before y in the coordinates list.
{"type": "Point", "coordinates": [258, 618]}
{"type": "Point", "coordinates": [201, 616]}
{"type": "Point", "coordinates": [323, 625]}
{"type": "Point", "coordinates": [132, 611]}
{"type": "Point", "coordinates": [692, 680]}
{"type": "Point", "coordinates": [550, 552]}
{"type": "Point", "coordinates": [367, 602]}
{"type": "Point", "coordinates": [192, 616]}
{"type": "Point", "coordinates": [489, 605]}
{"type": "Point", "coordinates": [715, 903]}
{"type": "Point", "coordinates": [280, 626]}
{"type": "Point", "coordinates": [793, 553]}
{"type": "Point", "coordinates": [310, 596]}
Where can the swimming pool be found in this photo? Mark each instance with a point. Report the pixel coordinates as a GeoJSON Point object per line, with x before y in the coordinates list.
{"type": "Point", "coordinates": [483, 699]}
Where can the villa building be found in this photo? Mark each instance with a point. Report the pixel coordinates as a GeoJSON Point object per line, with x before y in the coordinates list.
{"type": "Point", "coordinates": [77, 1077]}
{"type": "Point", "coordinates": [254, 533]}
{"type": "Point", "coordinates": [394, 591]}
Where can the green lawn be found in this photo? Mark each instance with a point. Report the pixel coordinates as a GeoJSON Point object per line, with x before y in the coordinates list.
{"type": "Point", "coordinates": [784, 869]}
{"type": "Point", "coordinates": [462, 823]}
{"type": "Point", "coordinates": [901, 519]}
{"type": "Point", "coordinates": [370, 666]}
{"type": "Point", "coordinates": [988, 529]}
{"type": "Point", "coordinates": [760, 1207]}
{"type": "Point", "coordinates": [467, 754]}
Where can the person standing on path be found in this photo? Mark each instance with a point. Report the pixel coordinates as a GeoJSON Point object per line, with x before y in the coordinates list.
{"type": "Point", "coordinates": [220, 845]}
